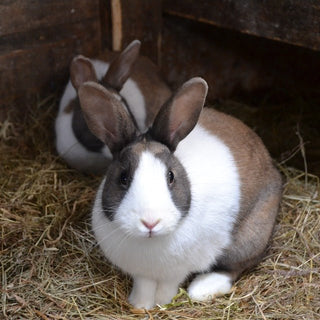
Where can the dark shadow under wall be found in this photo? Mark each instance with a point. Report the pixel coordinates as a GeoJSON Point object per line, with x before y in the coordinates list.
{"type": "Point", "coordinates": [273, 87]}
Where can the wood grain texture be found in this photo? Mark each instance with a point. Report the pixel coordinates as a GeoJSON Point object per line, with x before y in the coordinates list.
{"type": "Point", "coordinates": [277, 83]}
{"type": "Point", "coordinates": [138, 19]}
{"type": "Point", "coordinates": [33, 68]}
{"type": "Point", "coordinates": [232, 63]}
{"type": "Point", "coordinates": [24, 15]}
{"type": "Point", "coordinates": [35, 58]}
{"type": "Point", "coordinates": [292, 21]}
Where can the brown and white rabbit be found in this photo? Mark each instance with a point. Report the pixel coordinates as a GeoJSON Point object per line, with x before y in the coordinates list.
{"type": "Point", "coordinates": [197, 193]}
{"type": "Point", "coordinates": [134, 80]}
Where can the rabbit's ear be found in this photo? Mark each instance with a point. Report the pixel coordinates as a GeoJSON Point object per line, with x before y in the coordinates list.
{"type": "Point", "coordinates": [180, 114]}
{"type": "Point", "coordinates": [106, 116]}
{"type": "Point", "coordinates": [120, 68]}
{"type": "Point", "coordinates": [81, 71]}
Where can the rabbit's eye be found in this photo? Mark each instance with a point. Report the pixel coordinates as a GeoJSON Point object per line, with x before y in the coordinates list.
{"type": "Point", "coordinates": [170, 177]}
{"type": "Point", "coordinates": [124, 178]}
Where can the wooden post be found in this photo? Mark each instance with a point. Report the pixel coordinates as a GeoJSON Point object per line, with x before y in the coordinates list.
{"type": "Point", "coordinates": [137, 19]}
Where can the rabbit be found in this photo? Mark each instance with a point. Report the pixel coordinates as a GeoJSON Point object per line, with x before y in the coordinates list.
{"type": "Point", "coordinates": [132, 78]}
{"type": "Point", "coordinates": [195, 195]}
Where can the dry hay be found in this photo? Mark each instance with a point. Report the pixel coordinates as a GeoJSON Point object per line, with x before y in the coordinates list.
{"type": "Point", "coordinates": [52, 269]}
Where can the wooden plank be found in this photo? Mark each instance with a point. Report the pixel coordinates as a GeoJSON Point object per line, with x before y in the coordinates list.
{"type": "Point", "coordinates": [137, 19]}
{"type": "Point", "coordinates": [23, 15]}
{"type": "Point", "coordinates": [292, 21]}
{"type": "Point", "coordinates": [235, 64]}
{"type": "Point", "coordinates": [38, 39]}
{"type": "Point", "coordinates": [42, 67]}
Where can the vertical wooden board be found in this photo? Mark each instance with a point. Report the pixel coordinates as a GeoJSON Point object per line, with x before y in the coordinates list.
{"type": "Point", "coordinates": [137, 19]}
{"type": "Point", "coordinates": [283, 78]}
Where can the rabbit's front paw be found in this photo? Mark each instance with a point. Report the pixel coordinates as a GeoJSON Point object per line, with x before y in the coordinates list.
{"type": "Point", "coordinates": [142, 294]}
{"type": "Point", "coordinates": [165, 292]}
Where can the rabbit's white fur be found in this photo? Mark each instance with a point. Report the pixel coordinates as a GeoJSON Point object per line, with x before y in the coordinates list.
{"type": "Point", "coordinates": [197, 193]}
{"type": "Point", "coordinates": [66, 142]}
{"type": "Point", "coordinates": [207, 286]}
{"type": "Point", "coordinates": [159, 264]}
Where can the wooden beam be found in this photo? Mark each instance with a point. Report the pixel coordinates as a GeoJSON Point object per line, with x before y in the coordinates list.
{"type": "Point", "coordinates": [293, 21]}
{"type": "Point", "coordinates": [116, 10]}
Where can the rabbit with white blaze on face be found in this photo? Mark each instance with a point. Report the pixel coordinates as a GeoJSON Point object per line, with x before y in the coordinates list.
{"type": "Point", "coordinates": [132, 79]}
{"type": "Point", "coordinates": [196, 193]}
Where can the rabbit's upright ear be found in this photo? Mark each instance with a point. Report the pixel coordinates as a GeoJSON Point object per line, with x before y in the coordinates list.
{"type": "Point", "coordinates": [120, 68]}
{"type": "Point", "coordinates": [81, 71]}
{"type": "Point", "coordinates": [106, 117]}
{"type": "Point", "coordinates": [180, 114]}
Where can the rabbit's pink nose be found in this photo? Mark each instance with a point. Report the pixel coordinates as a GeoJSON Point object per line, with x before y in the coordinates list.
{"type": "Point", "coordinates": [150, 225]}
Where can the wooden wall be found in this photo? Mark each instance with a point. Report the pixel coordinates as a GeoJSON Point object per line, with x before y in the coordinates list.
{"type": "Point", "coordinates": [39, 38]}
{"type": "Point", "coordinates": [235, 64]}
{"type": "Point", "coordinates": [262, 53]}
{"type": "Point", "coordinates": [246, 49]}
{"type": "Point", "coordinates": [137, 19]}
{"type": "Point", "coordinates": [185, 39]}
{"type": "Point", "coordinates": [292, 21]}
{"type": "Point", "coordinates": [37, 42]}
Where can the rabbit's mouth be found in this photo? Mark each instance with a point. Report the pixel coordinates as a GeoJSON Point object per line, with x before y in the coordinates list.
{"type": "Point", "coordinates": [156, 233]}
{"type": "Point", "coordinates": [151, 234]}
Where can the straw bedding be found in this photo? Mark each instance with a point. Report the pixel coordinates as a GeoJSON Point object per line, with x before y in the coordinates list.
{"type": "Point", "coordinates": [51, 267]}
